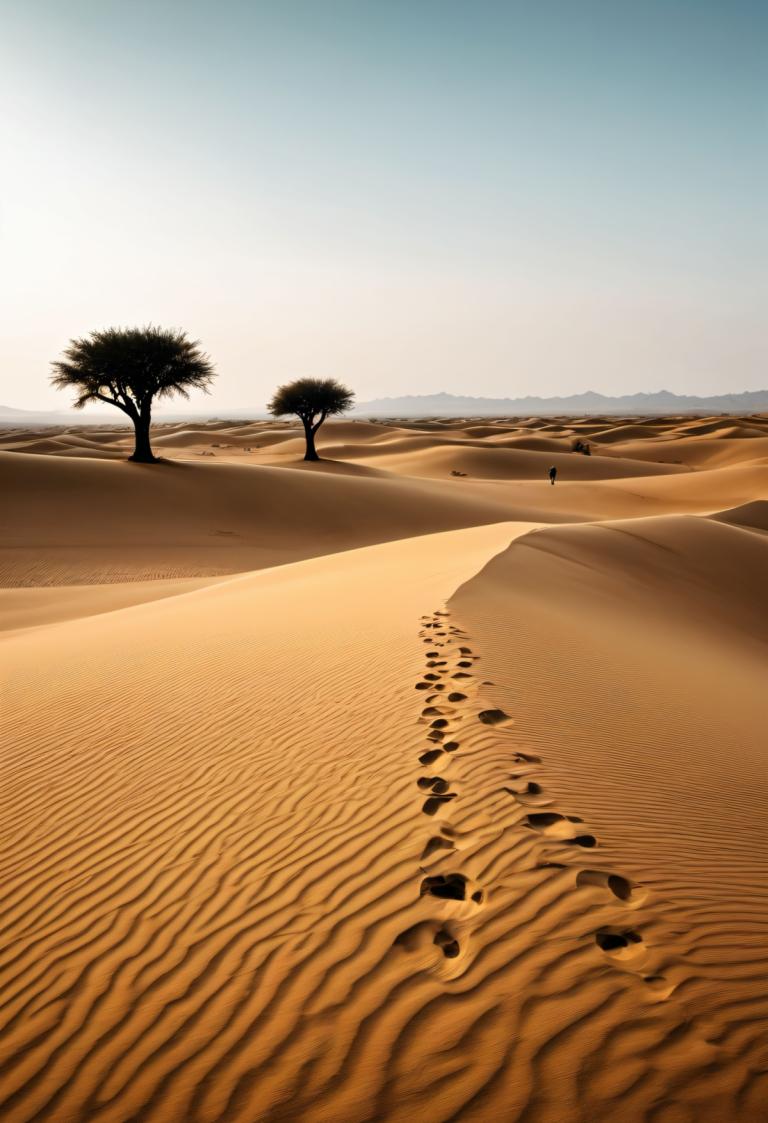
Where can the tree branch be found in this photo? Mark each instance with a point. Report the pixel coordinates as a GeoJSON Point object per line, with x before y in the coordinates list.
{"type": "Point", "coordinates": [114, 402]}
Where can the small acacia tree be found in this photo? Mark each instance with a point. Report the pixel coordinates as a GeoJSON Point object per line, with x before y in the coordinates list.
{"type": "Point", "coordinates": [129, 368]}
{"type": "Point", "coordinates": [312, 400]}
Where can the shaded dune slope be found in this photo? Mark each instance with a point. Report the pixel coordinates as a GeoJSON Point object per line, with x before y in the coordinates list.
{"type": "Point", "coordinates": [77, 521]}
{"type": "Point", "coordinates": [631, 656]}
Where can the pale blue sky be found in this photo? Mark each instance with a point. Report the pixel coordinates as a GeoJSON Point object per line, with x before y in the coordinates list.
{"type": "Point", "coordinates": [483, 197]}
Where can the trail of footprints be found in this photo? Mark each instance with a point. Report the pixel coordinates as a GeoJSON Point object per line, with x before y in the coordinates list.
{"type": "Point", "coordinates": [446, 685]}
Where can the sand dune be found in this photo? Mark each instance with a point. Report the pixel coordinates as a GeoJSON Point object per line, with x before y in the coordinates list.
{"type": "Point", "coordinates": [79, 519]}
{"type": "Point", "coordinates": [653, 440]}
{"type": "Point", "coordinates": [482, 462]}
{"type": "Point", "coordinates": [361, 791]}
{"type": "Point", "coordinates": [754, 516]}
{"type": "Point", "coordinates": [76, 521]}
{"type": "Point", "coordinates": [631, 657]}
{"type": "Point", "coordinates": [36, 606]}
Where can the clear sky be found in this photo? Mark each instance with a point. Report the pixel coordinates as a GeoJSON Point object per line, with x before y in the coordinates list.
{"type": "Point", "coordinates": [483, 197]}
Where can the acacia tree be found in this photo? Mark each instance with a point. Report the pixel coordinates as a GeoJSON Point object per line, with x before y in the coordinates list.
{"type": "Point", "coordinates": [129, 368]}
{"type": "Point", "coordinates": [312, 400]}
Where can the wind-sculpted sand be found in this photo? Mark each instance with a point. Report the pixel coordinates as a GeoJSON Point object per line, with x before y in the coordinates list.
{"type": "Point", "coordinates": [368, 791]}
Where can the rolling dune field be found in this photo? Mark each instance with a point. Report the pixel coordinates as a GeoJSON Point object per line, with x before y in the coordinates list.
{"type": "Point", "coordinates": [402, 786]}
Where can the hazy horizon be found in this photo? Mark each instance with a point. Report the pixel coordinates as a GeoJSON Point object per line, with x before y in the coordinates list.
{"type": "Point", "coordinates": [200, 407]}
{"type": "Point", "coordinates": [497, 199]}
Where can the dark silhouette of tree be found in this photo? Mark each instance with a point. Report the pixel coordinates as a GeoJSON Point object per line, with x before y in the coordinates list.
{"type": "Point", "coordinates": [312, 400]}
{"type": "Point", "coordinates": [129, 368]}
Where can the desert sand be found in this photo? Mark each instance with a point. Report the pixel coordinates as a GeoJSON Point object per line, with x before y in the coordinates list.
{"type": "Point", "coordinates": [403, 786]}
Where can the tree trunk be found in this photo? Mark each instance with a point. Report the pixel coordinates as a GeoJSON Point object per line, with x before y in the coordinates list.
{"type": "Point", "coordinates": [309, 433]}
{"type": "Point", "coordinates": [142, 453]}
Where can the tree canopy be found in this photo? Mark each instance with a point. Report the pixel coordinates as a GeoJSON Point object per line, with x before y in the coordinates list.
{"type": "Point", "coordinates": [311, 400]}
{"type": "Point", "coordinates": [129, 368]}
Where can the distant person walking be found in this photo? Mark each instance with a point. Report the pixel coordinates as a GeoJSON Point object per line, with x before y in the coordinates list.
{"type": "Point", "coordinates": [552, 475]}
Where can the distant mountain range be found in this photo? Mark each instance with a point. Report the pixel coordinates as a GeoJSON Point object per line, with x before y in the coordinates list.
{"type": "Point", "coordinates": [663, 402]}
{"type": "Point", "coordinates": [444, 405]}
{"type": "Point", "coordinates": [22, 417]}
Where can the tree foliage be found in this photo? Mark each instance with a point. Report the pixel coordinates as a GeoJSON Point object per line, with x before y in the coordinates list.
{"type": "Point", "coordinates": [311, 400]}
{"type": "Point", "coordinates": [130, 367]}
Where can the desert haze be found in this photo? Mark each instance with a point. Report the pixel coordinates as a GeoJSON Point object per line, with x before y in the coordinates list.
{"type": "Point", "coordinates": [403, 785]}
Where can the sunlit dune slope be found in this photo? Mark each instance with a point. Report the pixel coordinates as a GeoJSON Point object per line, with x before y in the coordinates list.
{"type": "Point", "coordinates": [34, 607]}
{"type": "Point", "coordinates": [211, 840]}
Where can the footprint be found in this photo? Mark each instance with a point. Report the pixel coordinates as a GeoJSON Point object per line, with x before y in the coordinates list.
{"type": "Point", "coordinates": [447, 943]}
{"type": "Point", "coordinates": [435, 802]}
{"type": "Point", "coordinates": [621, 887]}
{"type": "Point", "coordinates": [435, 844]}
{"type": "Point", "coordinates": [659, 984]}
{"type": "Point", "coordinates": [439, 723]}
{"type": "Point", "coordinates": [456, 697]}
{"type": "Point", "coordinates": [531, 795]}
{"type": "Point", "coordinates": [448, 887]}
{"type": "Point", "coordinates": [548, 822]}
{"type": "Point", "coordinates": [451, 887]}
{"type": "Point", "coordinates": [620, 943]}
{"type": "Point", "coordinates": [430, 757]}
{"type": "Point", "coordinates": [418, 936]}
{"type": "Point", "coordinates": [435, 784]}
{"type": "Point", "coordinates": [461, 674]}
{"type": "Point", "coordinates": [450, 746]}
{"type": "Point", "coordinates": [559, 828]}
{"type": "Point", "coordinates": [526, 758]}
{"type": "Point", "coordinates": [493, 717]}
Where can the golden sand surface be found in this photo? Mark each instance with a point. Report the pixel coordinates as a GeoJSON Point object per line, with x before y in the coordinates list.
{"type": "Point", "coordinates": [402, 786]}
